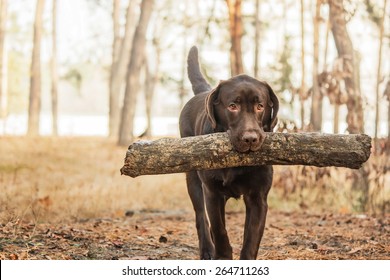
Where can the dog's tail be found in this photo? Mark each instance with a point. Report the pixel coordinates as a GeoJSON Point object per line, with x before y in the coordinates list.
{"type": "Point", "coordinates": [198, 82]}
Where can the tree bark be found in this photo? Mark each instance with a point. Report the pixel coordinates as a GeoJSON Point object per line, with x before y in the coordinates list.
{"type": "Point", "coordinates": [355, 120]}
{"type": "Point", "coordinates": [316, 99]}
{"type": "Point", "coordinates": [120, 59]}
{"type": "Point", "coordinates": [54, 72]}
{"type": "Point", "coordinates": [236, 30]}
{"type": "Point", "coordinates": [214, 151]}
{"type": "Point", "coordinates": [133, 74]}
{"type": "Point", "coordinates": [3, 55]}
{"type": "Point", "coordinates": [35, 78]}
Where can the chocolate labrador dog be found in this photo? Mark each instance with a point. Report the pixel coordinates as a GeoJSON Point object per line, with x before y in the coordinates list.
{"type": "Point", "coordinates": [245, 108]}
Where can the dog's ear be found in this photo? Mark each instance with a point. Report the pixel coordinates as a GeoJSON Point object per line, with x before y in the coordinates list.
{"type": "Point", "coordinates": [212, 100]}
{"type": "Point", "coordinates": [270, 119]}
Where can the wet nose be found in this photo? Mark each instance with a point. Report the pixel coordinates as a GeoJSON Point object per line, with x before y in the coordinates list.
{"type": "Point", "coordinates": [250, 137]}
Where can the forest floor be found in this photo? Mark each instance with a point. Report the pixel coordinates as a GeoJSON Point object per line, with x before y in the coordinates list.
{"type": "Point", "coordinates": [64, 198]}
{"type": "Point", "coordinates": [172, 235]}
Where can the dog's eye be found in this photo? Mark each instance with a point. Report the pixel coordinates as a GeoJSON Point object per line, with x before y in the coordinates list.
{"type": "Point", "coordinates": [233, 107]}
{"type": "Point", "coordinates": [260, 107]}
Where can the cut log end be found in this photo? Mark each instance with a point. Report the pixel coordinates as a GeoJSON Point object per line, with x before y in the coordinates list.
{"type": "Point", "coordinates": [214, 151]}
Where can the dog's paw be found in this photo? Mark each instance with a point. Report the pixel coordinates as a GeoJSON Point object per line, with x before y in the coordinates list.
{"type": "Point", "coordinates": [207, 256]}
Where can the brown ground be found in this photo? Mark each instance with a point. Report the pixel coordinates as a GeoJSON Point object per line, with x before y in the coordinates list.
{"type": "Point", "coordinates": [171, 235]}
{"type": "Point", "coordinates": [64, 199]}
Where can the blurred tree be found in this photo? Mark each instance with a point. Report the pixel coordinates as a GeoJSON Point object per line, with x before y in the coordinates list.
{"type": "Point", "coordinates": [329, 82]}
{"type": "Point", "coordinates": [374, 12]}
{"type": "Point", "coordinates": [151, 79]}
{"type": "Point", "coordinates": [54, 72]}
{"type": "Point", "coordinates": [18, 39]}
{"type": "Point", "coordinates": [3, 66]}
{"type": "Point", "coordinates": [236, 31]}
{"type": "Point", "coordinates": [35, 73]}
{"type": "Point", "coordinates": [302, 90]}
{"type": "Point", "coordinates": [284, 68]}
{"type": "Point", "coordinates": [202, 36]}
{"type": "Point", "coordinates": [116, 29]}
{"type": "Point", "coordinates": [120, 58]}
{"type": "Point", "coordinates": [386, 93]}
{"type": "Point", "coordinates": [186, 26]}
{"type": "Point", "coordinates": [152, 74]}
{"type": "Point", "coordinates": [256, 65]}
{"type": "Point", "coordinates": [378, 74]}
{"type": "Point", "coordinates": [348, 70]}
{"type": "Point", "coordinates": [326, 41]}
{"type": "Point", "coordinates": [350, 67]}
{"type": "Point", "coordinates": [113, 118]}
{"type": "Point", "coordinates": [316, 96]}
{"type": "Point", "coordinates": [133, 74]}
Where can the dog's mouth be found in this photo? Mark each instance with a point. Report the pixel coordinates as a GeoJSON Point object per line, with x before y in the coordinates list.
{"type": "Point", "coordinates": [246, 143]}
{"type": "Point", "coordinates": [245, 148]}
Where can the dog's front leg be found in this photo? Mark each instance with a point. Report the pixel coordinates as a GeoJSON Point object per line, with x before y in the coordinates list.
{"type": "Point", "coordinates": [215, 206]}
{"type": "Point", "coordinates": [256, 213]}
{"type": "Point", "coordinates": [206, 245]}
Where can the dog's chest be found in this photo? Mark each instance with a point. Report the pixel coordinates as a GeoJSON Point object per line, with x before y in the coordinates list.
{"type": "Point", "coordinates": [237, 181]}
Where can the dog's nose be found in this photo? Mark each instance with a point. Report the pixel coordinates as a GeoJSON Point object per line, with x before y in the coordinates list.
{"type": "Point", "coordinates": [250, 137]}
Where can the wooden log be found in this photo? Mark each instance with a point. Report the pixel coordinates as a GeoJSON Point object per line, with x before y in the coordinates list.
{"type": "Point", "coordinates": [214, 151]}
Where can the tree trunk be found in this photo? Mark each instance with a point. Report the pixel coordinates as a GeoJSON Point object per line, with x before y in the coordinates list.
{"type": "Point", "coordinates": [336, 118]}
{"type": "Point", "coordinates": [378, 76]}
{"type": "Point", "coordinates": [302, 90]}
{"type": "Point", "coordinates": [113, 115]}
{"type": "Point", "coordinates": [386, 93]}
{"type": "Point", "coordinates": [54, 72]}
{"type": "Point", "coordinates": [3, 60]}
{"type": "Point", "coordinates": [182, 89]}
{"type": "Point", "coordinates": [326, 44]}
{"type": "Point", "coordinates": [355, 118]}
{"type": "Point", "coordinates": [345, 51]}
{"type": "Point", "coordinates": [120, 58]}
{"type": "Point", "coordinates": [256, 66]}
{"type": "Point", "coordinates": [133, 74]}
{"type": "Point", "coordinates": [214, 151]}
{"type": "Point", "coordinates": [149, 90]}
{"type": "Point", "coordinates": [236, 31]}
{"type": "Point", "coordinates": [150, 84]}
{"type": "Point", "coordinates": [35, 78]}
{"type": "Point", "coordinates": [316, 105]}
{"type": "Point", "coordinates": [116, 32]}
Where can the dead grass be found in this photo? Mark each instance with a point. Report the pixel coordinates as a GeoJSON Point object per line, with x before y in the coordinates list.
{"type": "Point", "coordinates": [73, 178]}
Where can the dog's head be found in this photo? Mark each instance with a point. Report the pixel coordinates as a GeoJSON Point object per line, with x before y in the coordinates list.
{"type": "Point", "coordinates": [245, 108]}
